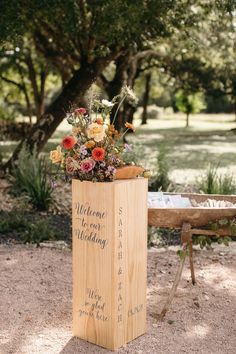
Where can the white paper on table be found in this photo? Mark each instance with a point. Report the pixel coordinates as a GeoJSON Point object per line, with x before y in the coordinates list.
{"type": "Point", "coordinates": [160, 200]}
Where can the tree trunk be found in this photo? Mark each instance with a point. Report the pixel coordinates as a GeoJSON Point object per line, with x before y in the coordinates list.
{"type": "Point", "coordinates": [129, 108]}
{"type": "Point", "coordinates": [40, 106]}
{"type": "Point", "coordinates": [55, 113]}
{"type": "Point", "coordinates": [129, 112]}
{"type": "Point", "coordinates": [187, 120]}
{"type": "Point", "coordinates": [28, 105]}
{"type": "Point", "coordinates": [146, 97]}
{"type": "Point", "coordinates": [114, 88]}
{"type": "Point", "coordinates": [235, 108]}
{"type": "Point", "coordinates": [38, 89]}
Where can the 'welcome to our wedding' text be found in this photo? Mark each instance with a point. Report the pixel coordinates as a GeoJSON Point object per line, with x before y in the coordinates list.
{"type": "Point", "coordinates": [90, 231]}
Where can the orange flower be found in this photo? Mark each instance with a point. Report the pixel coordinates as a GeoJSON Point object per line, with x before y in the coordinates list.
{"type": "Point", "coordinates": [69, 142]}
{"type": "Point", "coordinates": [98, 154]}
{"type": "Point", "coordinates": [130, 126]}
{"type": "Point", "coordinates": [99, 120]}
{"type": "Point", "coordinates": [111, 127]}
{"type": "Point", "coordinates": [90, 144]}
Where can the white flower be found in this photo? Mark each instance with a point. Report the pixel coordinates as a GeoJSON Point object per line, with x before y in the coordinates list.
{"type": "Point", "coordinates": [96, 131]}
{"type": "Point", "coordinates": [107, 103]}
{"type": "Point", "coordinates": [129, 94]}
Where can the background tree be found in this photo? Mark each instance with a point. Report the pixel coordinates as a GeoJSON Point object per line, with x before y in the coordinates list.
{"type": "Point", "coordinates": [189, 103]}
{"type": "Point", "coordinates": [80, 38]}
{"type": "Point", "coordinates": [25, 72]}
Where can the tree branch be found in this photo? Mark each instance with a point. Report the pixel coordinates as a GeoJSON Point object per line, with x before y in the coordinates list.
{"type": "Point", "coordinates": [9, 81]}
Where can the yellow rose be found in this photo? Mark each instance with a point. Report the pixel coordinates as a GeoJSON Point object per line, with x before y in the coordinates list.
{"type": "Point", "coordinates": [56, 155]}
{"type": "Point", "coordinates": [96, 132]}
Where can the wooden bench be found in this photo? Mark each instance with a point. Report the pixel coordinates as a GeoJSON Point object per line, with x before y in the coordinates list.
{"type": "Point", "coordinates": [191, 221]}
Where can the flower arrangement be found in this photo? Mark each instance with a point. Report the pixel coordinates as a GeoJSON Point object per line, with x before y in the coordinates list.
{"type": "Point", "coordinates": [94, 150]}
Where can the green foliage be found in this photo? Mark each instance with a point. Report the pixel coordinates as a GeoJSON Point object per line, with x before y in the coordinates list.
{"type": "Point", "coordinates": [39, 232]}
{"type": "Point", "coordinates": [161, 181]}
{"type": "Point", "coordinates": [205, 241]}
{"type": "Point", "coordinates": [118, 21]}
{"type": "Point", "coordinates": [12, 221]}
{"type": "Point", "coordinates": [189, 103]}
{"type": "Point", "coordinates": [6, 113]}
{"type": "Point", "coordinates": [214, 183]}
{"type": "Point", "coordinates": [30, 177]}
{"type": "Point", "coordinates": [153, 236]}
{"type": "Point", "coordinates": [226, 225]}
{"type": "Point", "coordinates": [229, 225]}
{"type": "Point", "coordinates": [182, 253]}
{"type": "Point", "coordinates": [25, 226]}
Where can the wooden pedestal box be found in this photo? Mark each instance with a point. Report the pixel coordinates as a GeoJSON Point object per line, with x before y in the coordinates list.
{"type": "Point", "coordinates": [109, 261]}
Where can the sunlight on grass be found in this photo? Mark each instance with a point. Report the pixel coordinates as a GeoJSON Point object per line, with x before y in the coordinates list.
{"type": "Point", "coordinates": [190, 150]}
{"type": "Point", "coordinates": [208, 140]}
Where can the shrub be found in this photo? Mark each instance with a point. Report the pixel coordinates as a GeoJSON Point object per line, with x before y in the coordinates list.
{"type": "Point", "coordinates": [214, 183]}
{"type": "Point", "coordinates": [30, 177]}
{"type": "Point", "coordinates": [24, 227]}
{"type": "Point", "coordinates": [38, 232]}
{"type": "Point", "coordinates": [12, 221]}
{"type": "Point", "coordinates": [161, 181]}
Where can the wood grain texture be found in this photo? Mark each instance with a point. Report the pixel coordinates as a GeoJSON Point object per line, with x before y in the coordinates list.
{"type": "Point", "coordinates": [109, 222]}
{"type": "Point", "coordinates": [175, 217]}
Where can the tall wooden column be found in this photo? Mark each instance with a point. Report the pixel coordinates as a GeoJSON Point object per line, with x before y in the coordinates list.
{"type": "Point", "coordinates": [109, 261]}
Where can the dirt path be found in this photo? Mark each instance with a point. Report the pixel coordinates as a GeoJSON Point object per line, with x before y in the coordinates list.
{"type": "Point", "coordinates": [35, 304]}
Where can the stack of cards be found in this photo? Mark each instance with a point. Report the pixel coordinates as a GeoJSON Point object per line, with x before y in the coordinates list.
{"type": "Point", "coordinates": [161, 200]}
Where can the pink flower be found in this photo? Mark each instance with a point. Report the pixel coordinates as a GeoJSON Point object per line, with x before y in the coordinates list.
{"type": "Point", "coordinates": [80, 111]}
{"type": "Point", "coordinates": [70, 168]}
{"type": "Point", "coordinates": [87, 165]}
{"type": "Point", "coordinates": [71, 165]}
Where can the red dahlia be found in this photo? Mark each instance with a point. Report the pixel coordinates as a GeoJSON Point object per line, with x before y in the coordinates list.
{"type": "Point", "coordinates": [68, 142]}
{"type": "Point", "coordinates": [98, 154]}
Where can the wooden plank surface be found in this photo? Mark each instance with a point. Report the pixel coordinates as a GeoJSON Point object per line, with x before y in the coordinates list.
{"type": "Point", "coordinates": [109, 261]}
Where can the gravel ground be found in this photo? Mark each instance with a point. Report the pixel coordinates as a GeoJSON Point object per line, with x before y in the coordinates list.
{"type": "Point", "coordinates": [35, 304]}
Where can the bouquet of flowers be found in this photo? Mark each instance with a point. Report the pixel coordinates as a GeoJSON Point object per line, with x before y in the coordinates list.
{"type": "Point", "coordinates": [93, 152]}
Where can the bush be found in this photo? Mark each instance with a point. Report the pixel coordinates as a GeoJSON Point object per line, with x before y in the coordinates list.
{"type": "Point", "coordinates": [214, 183]}
{"type": "Point", "coordinates": [30, 177]}
{"type": "Point", "coordinates": [13, 221]}
{"type": "Point", "coordinates": [24, 227]}
{"type": "Point", "coordinates": [161, 181]}
{"type": "Point", "coordinates": [38, 232]}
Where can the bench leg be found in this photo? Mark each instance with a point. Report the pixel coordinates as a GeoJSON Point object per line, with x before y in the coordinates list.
{"type": "Point", "coordinates": [186, 238]}
{"type": "Point", "coordinates": [190, 247]}
{"type": "Point", "coordinates": [174, 287]}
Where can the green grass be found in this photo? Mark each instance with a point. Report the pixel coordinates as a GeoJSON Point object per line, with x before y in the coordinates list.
{"type": "Point", "coordinates": [214, 183]}
{"type": "Point", "coordinates": [190, 150]}
{"type": "Point", "coordinates": [207, 140]}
